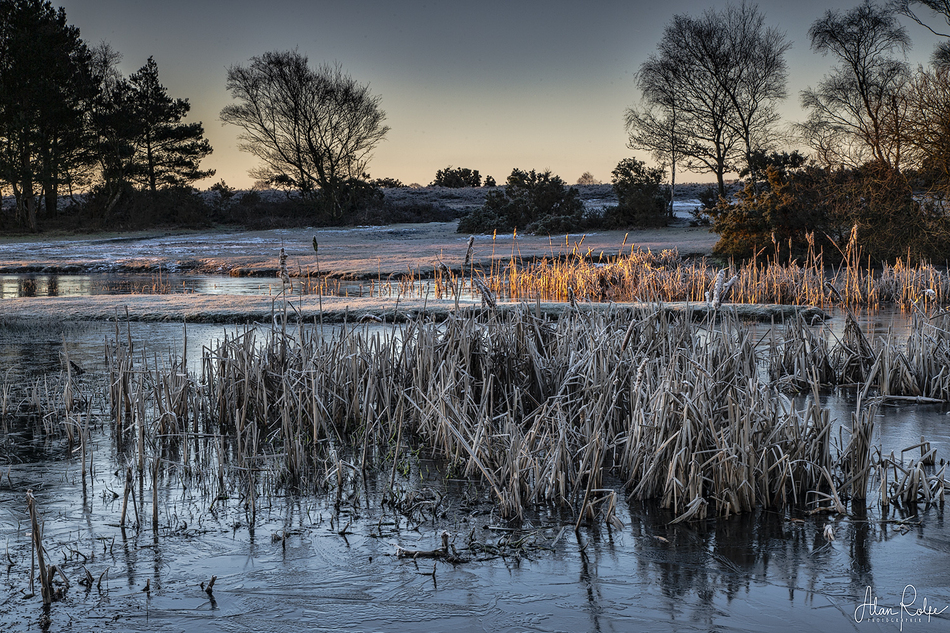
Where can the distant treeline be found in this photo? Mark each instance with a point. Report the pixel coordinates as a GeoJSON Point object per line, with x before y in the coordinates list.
{"type": "Point", "coordinates": [871, 162]}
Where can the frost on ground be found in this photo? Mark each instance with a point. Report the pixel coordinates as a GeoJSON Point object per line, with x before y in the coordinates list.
{"type": "Point", "coordinates": [354, 253]}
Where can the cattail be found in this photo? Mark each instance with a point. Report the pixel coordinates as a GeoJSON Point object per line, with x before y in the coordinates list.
{"type": "Point", "coordinates": [487, 296]}
{"type": "Point", "coordinates": [712, 295]}
{"type": "Point", "coordinates": [468, 253]}
{"type": "Point", "coordinates": [283, 274]}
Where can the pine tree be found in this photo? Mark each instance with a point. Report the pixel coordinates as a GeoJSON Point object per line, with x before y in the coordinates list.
{"type": "Point", "coordinates": [44, 84]}
{"type": "Point", "coordinates": [167, 151]}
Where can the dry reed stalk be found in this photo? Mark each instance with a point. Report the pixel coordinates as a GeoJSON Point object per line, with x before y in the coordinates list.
{"type": "Point", "coordinates": [644, 276]}
{"type": "Point", "coordinates": [800, 358]}
{"type": "Point", "coordinates": [155, 463]}
{"type": "Point", "coordinates": [46, 585]}
{"type": "Point", "coordinates": [857, 457]}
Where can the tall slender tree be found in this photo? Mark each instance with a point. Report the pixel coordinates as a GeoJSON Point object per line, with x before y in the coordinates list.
{"type": "Point", "coordinates": [709, 94]}
{"type": "Point", "coordinates": [747, 59]}
{"type": "Point", "coordinates": [654, 128]}
{"type": "Point", "coordinates": [928, 132]}
{"type": "Point", "coordinates": [113, 128]}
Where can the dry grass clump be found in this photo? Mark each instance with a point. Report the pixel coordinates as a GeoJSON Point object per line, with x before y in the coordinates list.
{"type": "Point", "coordinates": [916, 369]}
{"type": "Point", "coordinates": [542, 412]}
{"type": "Point", "coordinates": [689, 414]}
{"type": "Point", "coordinates": [637, 275]}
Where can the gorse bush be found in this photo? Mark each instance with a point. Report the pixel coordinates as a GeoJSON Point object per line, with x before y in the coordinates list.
{"type": "Point", "coordinates": [642, 199]}
{"type": "Point", "coordinates": [760, 161]}
{"type": "Point", "coordinates": [535, 202]}
{"type": "Point", "coordinates": [388, 183]}
{"type": "Point", "coordinates": [457, 177]}
{"type": "Point", "coordinates": [803, 208]}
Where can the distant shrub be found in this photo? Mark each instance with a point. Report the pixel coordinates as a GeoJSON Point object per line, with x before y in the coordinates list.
{"type": "Point", "coordinates": [641, 197]}
{"type": "Point", "coordinates": [388, 183]}
{"type": "Point", "coordinates": [530, 201]}
{"type": "Point", "coordinates": [251, 198]}
{"type": "Point", "coordinates": [224, 194]}
{"type": "Point", "coordinates": [587, 178]}
{"type": "Point", "coordinates": [405, 213]}
{"type": "Point", "coordinates": [353, 197]}
{"type": "Point", "coordinates": [134, 209]}
{"type": "Point", "coordinates": [457, 177]}
{"type": "Point", "coordinates": [490, 182]}
{"type": "Point", "coordinates": [708, 197]}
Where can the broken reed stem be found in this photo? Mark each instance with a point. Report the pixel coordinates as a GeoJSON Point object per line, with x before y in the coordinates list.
{"type": "Point", "coordinates": [46, 586]}
{"type": "Point", "coordinates": [125, 496]}
{"type": "Point", "coordinates": [155, 463]}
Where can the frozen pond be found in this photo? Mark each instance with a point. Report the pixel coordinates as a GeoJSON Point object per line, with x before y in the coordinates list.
{"type": "Point", "coordinates": [293, 570]}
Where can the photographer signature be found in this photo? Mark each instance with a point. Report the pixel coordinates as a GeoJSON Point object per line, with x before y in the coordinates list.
{"type": "Point", "coordinates": [907, 611]}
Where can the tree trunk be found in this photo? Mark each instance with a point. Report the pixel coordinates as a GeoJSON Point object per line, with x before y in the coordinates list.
{"type": "Point", "coordinates": [29, 199]}
{"type": "Point", "coordinates": [31, 212]}
{"type": "Point", "coordinates": [51, 199]}
{"type": "Point", "coordinates": [672, 187]}
{"type": "Point", "coordinates": [151, 163]}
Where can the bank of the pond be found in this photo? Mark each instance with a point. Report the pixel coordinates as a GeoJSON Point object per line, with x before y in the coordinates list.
{"type": "Point", "coordinates": [197, 308]}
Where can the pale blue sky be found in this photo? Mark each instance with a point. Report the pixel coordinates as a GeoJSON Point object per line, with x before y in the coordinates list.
{"type": "Point", "coordinates": [488, 85]}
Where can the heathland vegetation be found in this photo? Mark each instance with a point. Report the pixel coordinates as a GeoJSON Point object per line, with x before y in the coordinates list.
{"type": "Point", "coordinates": [83, 147]}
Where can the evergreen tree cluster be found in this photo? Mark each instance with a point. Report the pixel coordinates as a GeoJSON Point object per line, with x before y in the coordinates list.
{"type": "Point", "coordinates": [70, 122]}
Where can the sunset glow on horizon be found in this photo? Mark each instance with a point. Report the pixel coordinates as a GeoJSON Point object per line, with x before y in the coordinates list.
{"type": "Point", "coordinates": [491, 86]}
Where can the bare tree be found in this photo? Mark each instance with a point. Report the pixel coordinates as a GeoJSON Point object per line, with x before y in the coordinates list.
{"type": "Point", "coordinates": [685, 112]}
{"type": "Point", "coordinates": [862, 105]}
{"type": "Point", "coordinates": [314, 129]}
{"type": "Point", "coordinates": [587, 178]}
{"type": "Point", "coordinates": [939, 8]}
{"type": "Point", "coordinates": [710, 92]}
{"type": "Point", "coordinates": [747, 59]}
{"type": "Point", "coordinates": [928, 133]}
{"type": "Point", "coordinates": [653, 128]}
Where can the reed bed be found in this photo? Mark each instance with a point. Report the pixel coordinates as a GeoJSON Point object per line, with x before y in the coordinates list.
{"type": "Point", "coordinates": [917, 369]}
{"type": "Point", "coordinates": [638, 275]}
{"type": "Point", "coordinates": [689, 413]}
{"type": "Point", "coordinates": [542, 412]}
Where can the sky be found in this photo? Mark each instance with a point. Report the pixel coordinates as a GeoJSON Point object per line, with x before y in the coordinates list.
{"type": "Point", "coordinates": [491, 85]}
